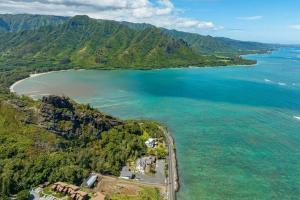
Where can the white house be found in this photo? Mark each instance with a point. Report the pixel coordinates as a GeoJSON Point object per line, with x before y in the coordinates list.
{"type": "Point", "coordinates": [143, 163]}
{"type": "Point", "coordinates": [151, 142]}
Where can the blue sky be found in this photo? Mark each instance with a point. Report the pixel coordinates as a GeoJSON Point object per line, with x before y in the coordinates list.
{"type": "Point", "coordinates": [273, 21]}
{"type": "Point", "coordinates": [257, 20]}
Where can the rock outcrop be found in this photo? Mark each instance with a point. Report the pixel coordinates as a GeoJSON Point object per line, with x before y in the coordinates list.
{"type": "Point", "coordinates": [70, 120]}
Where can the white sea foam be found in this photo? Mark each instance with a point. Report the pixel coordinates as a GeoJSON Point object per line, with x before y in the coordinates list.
{"type": "Point", "coordinates": [281, 83]}
{"type": "Point", "coordinates": [297, 117]}
{"type": "Point", "coordinates": [267, 80]}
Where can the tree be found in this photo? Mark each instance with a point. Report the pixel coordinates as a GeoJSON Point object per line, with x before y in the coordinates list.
{"type": "Point", "coordinates": [23, 195]}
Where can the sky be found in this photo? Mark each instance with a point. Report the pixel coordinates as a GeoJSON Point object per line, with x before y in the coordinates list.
{"type": "Point", "coordinates": [272, 21]}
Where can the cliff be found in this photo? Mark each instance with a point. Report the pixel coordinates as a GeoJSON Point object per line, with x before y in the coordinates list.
{"type": "Point", "coordinates": [70, 120]}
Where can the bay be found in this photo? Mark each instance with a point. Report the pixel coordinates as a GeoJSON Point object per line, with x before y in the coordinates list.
{"type": "Point", "coordinates": [236, 128]}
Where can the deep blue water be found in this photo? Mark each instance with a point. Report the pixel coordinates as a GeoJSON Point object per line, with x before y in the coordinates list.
{"type": "Point", "coordinates": [236, 128]}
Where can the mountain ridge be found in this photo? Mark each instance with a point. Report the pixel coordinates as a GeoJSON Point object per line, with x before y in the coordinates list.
{"type": "Point", "coordinates": [90, 43]}
{"type": "Point", "coordinates": [200, 43]}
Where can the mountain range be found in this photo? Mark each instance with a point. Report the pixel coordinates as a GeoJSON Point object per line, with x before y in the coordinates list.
{"type": "Point", "coordinates": [80, 41]}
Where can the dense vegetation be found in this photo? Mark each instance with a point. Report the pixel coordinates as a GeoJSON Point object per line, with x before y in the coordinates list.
{"type": "Point", "coordinates": [30, 155]}
{"type": "Point", "coordinates": [209, 45]}
{"type": "Point", "coordinates": [88, 43]}
{"type": "Point", "coordinates": [15, 23]}
{"type": "Point", "coordinates": [202, 44]}
{"type": "Point", "coordinates": [45, 141]}
{"type": "Point", "coordinates": [219, 46]}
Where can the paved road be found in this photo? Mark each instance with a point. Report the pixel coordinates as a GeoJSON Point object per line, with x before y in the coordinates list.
{"type": "Point", "coordinates": [172, 185]}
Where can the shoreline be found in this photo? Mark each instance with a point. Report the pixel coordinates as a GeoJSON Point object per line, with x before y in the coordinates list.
{"type": "Point", "coordinates": [11, 88]}
{"type": "Point", "coordinates": [172, 178]}
{"type": "Point", "coordinates": [172, 186]}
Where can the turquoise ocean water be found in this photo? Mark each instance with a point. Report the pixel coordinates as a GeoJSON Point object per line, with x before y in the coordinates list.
{"type": "Point", "coordinates": [237, 129]}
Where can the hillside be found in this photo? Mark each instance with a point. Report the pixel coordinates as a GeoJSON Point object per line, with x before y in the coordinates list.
{"type": "Point", "coordinates": [219, 45]}
{"type": "Point", "coordinates": [86, 42]}
{"type": "Point", "coordinates": [32, 153]}
{"type": "Point", "coordinates": [199, 43]}
{"type": "Point", "coordinates": [210, 45]}
{"type": "Point", "coordinates": [15, 23]}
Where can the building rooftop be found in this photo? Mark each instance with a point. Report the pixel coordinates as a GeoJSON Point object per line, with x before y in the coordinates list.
{"type": "Point", "coordinates": [126, 173]}
{"type": "Point", "coordinates": [91, 180]}
{"type": "Point", "coordinates": [150, 142]}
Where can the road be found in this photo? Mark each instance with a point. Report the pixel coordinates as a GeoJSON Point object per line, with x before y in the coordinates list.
{"type": "Point", "coordinates": [172, 180]}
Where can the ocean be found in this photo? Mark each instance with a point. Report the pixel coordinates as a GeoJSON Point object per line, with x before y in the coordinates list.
{"type": "Point", "coordinates": [236, 128]}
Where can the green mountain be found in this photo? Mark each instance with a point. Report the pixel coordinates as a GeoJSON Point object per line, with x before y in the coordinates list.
{"type": "Point", "coordinates": [14, 23]}
{"type": "Point", "coordinates": [85, 42]}
{"type": "Point", "coordinates": [219, 45]}
{"type": "Point", "coordinates": [211, 45]}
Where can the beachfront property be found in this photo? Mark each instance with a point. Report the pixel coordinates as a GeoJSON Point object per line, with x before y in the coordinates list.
{"type": "Point", "coordinates": [126, 173]}
{"type": "Point", "coordinates": [144, 164]}
{"type": "Point", "coordinates": [151, 143]}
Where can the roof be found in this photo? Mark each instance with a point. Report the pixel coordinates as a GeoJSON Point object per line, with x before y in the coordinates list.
{"type": "Point", "coordinates": [140, 162]}
{"type": "Point", "coordinates": [91, 180]}
{"type": "Point", "coordinates": [61, 183]}
{"type": "Point", "coordinates": [145, 161]}
{"type": "Point", "coordinates": [151, 140]}
{"type": "Point", "coordinates": [81, 193]}
{"type": "Point", "coordinates": [74, 187]}
{"type": "Point", "coordinates": [125, 172]}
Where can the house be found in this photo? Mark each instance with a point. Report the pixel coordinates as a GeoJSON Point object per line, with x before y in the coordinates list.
{"type": "Point", "coordinates": [144, 164]}
{"type": "Point", "coordinates": [151, 143]}
{"type": "Point", "coordinates": [72, 190]}
{"type": "Point", "coordinates": [80, 195]}
{"type": "Point", "coordinates": [126, 173]}
{"type": "Point", "coordinates": [140, 165]}
{"type": "Point", "coordinates": [91, 180]}
{"type": "Point", "coordinates": [59, 186]}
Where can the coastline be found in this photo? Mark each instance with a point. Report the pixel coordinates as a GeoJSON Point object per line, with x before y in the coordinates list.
{"type": "Point", "coordinates": [11, 88]}
{"type": "Point", "coordinates": [172, 184]}
{"type": "Point", "coordinates": [172, 178]}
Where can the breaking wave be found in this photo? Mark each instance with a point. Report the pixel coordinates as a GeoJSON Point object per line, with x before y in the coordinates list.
{"type": "Point", "coordinates": [297, 117]}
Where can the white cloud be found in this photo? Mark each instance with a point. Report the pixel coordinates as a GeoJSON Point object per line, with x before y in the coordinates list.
{"type": "Point", "coordinates": [161, 13]}
{"type": "Point", "coordinates": [295, 26]}
{"type": "Point", "coordinates": [250, 18]}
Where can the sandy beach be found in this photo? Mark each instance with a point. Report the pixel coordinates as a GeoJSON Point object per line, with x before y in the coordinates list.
{"type": "Point", "coordinates": [11, 88]}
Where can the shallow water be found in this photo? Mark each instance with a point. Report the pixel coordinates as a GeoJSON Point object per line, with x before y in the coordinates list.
{"type": "Point", "coordinates": [237, 129]}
